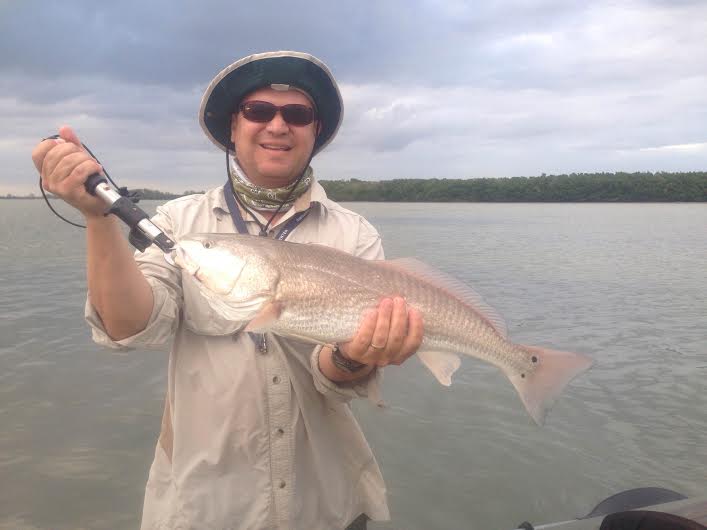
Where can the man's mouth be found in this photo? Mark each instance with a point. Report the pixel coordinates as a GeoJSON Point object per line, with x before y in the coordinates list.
{"type": "Point", "coordinates": [273, 147]}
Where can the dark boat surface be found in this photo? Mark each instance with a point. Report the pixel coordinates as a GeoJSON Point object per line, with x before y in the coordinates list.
{"type": "Point", "coordinates": [638, 509]}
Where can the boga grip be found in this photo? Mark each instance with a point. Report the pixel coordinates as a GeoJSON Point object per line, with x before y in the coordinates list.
{"type": "Point", "coordinates": [143, 232]}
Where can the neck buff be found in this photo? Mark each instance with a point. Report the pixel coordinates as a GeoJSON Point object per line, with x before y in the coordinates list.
{"type": "Point", "coordinates": [266, 198]}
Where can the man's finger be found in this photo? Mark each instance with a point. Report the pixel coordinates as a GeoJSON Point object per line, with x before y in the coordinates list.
{"type": "Point", "coordinates": [67, 164]}
{"type": "Point", "coordinates": [357, 347]}
{"type": "Point", "coordinates": [413, 340]}
{"type": "Point", "coordinates": [398, 325]}
{"type": "Point", "coordinates": [68, 134]}
{"type": "Point", "coordinates": [379, 341]}
{"type": "Point", "coordinates": [55, 156]}
{"type": "Point", "coordinates": [40, 152]}
{"type": "Point", "coordinates": [81, 172]}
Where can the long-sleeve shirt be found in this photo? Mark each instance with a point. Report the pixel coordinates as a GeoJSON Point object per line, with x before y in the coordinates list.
{"type": "Point", "coordinates": [251, 437]}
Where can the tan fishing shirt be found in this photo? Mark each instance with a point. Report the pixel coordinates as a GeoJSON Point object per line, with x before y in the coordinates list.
{"type": "Point", "coordinates": [251, 439]}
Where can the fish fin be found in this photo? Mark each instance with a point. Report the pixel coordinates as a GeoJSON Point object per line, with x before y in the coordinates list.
{"type": "Point", "coordinates": [237, 312]}
{"type": "Point", "coordinates": [452, 286]}
{"type": "Point", "coordinates": [268, 314]}
{"type": "Point", "coordinates": [441, 364]}
{"type": "Point", "coordinates": [301, 338]}
{"type": "Point", "coordinates": [540, 388]}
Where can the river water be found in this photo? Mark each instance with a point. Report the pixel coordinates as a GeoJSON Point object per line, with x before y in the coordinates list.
{"type": "Point", "coordinates": [623, 283]}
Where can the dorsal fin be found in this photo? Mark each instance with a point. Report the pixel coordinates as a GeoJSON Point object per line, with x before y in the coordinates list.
{"type": "Point", "coordinates": [453, 287]}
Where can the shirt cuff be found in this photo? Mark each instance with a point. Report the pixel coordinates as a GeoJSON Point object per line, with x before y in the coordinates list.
{"type": "Point", "coordinates": [366, 387]}
{"type": "Point", "coordinates": [159, 330]}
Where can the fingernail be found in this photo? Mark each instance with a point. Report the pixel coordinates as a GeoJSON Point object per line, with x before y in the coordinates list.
{"type": "Point", "coordinates": [60, 141]}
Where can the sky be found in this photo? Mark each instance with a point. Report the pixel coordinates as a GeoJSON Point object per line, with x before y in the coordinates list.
{"type": "Point", "coordinates": [445, 88]}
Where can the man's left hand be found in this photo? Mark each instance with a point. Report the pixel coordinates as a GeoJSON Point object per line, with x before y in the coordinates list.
{"type": "Point", "coordinates": [389, 334]}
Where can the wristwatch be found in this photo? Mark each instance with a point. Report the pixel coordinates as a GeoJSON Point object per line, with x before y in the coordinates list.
{"type": "Point", "coordinates": [343, 363]}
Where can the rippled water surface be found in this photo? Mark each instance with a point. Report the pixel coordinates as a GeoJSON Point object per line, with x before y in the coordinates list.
{"type": "Point", "coordinates": [623, 283]}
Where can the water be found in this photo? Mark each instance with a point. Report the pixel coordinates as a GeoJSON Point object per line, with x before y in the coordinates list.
{"type": "Point", "coordinates": [623, 283]}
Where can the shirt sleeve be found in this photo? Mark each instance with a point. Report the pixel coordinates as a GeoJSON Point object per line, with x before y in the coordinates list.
{"type": "Point", "coordinates": [366, 387]}
{"type": "Point", "coordinates": [368, 246]}
{"type": "Point", "coordinates": [164, 279]}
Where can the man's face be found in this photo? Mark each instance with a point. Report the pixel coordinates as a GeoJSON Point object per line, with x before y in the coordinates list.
{"type": "Point", "coordinates": [275, 153]}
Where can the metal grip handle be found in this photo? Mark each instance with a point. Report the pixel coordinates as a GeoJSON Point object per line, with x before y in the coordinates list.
{"type": "Point", "coordinates": [93, 181]}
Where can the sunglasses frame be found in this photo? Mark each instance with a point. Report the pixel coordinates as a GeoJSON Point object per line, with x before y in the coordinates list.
{"type": "Point", "coordinates": [282, 109]}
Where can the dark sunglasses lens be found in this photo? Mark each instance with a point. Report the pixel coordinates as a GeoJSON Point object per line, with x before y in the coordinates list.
{"type": "Point", "coordinates": [297, 114]}
{"type": "Point", "coordinates": [259, 111]}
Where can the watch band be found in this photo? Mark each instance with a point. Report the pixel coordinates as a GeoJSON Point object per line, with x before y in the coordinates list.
{"type": "Point", "coordinates": [343, 363]}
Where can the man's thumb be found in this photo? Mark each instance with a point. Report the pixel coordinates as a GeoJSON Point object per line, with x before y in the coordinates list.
{"type": "Point", "coordinates": [68, 135]}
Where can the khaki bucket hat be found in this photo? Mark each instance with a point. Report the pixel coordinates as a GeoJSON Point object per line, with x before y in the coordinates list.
{"type": "Point", "coordinates": [284, 69]}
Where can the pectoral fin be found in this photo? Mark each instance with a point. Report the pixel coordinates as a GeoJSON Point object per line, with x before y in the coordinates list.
{"type": "Point", "coordinates": [441, 364]}
{"type": "Point", "coordinates": [269, 313]}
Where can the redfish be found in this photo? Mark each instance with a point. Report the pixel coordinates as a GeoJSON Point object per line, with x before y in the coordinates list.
{"type": "Point", "coordinates": [319, 294]}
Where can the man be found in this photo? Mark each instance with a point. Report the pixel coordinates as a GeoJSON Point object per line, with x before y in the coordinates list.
{"type": "Point", "coordinates": [257, 431]}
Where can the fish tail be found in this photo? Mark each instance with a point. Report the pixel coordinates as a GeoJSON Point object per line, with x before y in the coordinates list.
{"type": "Point", "coordinates": [539, 387]}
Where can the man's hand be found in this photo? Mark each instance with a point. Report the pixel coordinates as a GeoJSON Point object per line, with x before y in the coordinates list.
{"type": "Point", "coordinates": [388, 335]}
{"type": "Point", "coordinates": [64, 166]}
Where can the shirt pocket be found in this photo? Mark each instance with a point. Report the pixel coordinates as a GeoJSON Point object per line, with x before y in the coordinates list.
{"type": "Point", "coordinates": [198, 315]}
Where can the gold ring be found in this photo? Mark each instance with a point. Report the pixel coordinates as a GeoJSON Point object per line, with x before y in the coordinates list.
{"type": "Point", "coordinates": [376, 347]}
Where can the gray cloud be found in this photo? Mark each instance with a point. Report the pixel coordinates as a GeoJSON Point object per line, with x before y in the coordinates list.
{"type": "Point", "coordinates": [426, 42]}
{"type": "Point", "coordinates": [431, 88]}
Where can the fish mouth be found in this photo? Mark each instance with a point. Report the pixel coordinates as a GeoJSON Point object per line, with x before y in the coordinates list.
{"type": "Point", "coordinates": [170, 256]}
{"type": "Point", "coordinates": [180, 258]}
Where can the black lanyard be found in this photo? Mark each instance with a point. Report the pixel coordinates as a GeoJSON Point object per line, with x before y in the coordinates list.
{"type": "Point", "coordinates": [258, 338]}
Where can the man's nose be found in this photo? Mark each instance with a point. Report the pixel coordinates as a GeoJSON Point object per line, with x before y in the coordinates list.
{"type": "Point", "coordinates": [277, 124]}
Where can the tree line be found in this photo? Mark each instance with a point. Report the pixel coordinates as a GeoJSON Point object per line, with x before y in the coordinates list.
{"type": "Point", "coordinates": [575, 187]}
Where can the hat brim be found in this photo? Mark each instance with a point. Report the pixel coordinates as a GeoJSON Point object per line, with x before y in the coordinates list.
{"type": "Point", "coordinates": [299, 70]}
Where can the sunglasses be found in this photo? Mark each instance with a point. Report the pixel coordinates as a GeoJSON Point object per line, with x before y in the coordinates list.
{"type": "Point", "coordinates": [264, 111]}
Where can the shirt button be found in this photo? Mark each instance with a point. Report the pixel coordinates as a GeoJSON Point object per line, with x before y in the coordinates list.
{"type": "Point", "coordinates": [279, 432]}
{"type": "Point", "coordinates": [276, 379]}
{"type": "Point", "coordinates": [282, 484]}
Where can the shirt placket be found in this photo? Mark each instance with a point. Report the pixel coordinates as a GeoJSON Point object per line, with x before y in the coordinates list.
{"type": "Point", "coordinates": [280, 431]}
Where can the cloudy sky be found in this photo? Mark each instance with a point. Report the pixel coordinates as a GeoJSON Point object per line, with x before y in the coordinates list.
{"type": "Point", "coordinates": [444, 88]}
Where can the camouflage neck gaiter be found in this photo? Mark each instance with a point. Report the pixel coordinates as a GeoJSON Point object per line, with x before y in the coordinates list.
{"type": "Point", "coordinates": [266, 198]}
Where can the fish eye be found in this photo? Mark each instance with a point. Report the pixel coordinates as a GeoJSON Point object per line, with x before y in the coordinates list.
{"type": "Point", "coordinates": [207, 244]}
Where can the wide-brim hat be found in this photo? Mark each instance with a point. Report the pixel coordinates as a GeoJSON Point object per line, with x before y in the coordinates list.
{"type": "Point", "coordinates": [298, 70]}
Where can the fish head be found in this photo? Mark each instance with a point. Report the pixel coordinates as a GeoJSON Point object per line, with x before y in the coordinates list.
{"type": "Point", "coordinates": [233, 273]}
{"type": "Point", "coordinates": [212, 265]}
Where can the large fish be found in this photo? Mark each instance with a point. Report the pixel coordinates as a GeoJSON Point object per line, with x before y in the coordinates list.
{"type": "Point", "coordinates": [320, 294]}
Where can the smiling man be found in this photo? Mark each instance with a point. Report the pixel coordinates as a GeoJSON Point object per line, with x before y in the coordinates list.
{"type": "Point", "coordinates": [271, 149]}
{"type": "Point", "coordinates": [257, 431]}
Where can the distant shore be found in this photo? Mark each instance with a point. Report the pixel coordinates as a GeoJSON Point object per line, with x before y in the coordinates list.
{"type": "Point", "coordinates": [575, 187]}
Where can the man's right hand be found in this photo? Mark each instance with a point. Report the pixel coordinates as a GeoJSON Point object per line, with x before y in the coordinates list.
{"type": "Point", "coordinates": [64, 166]}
